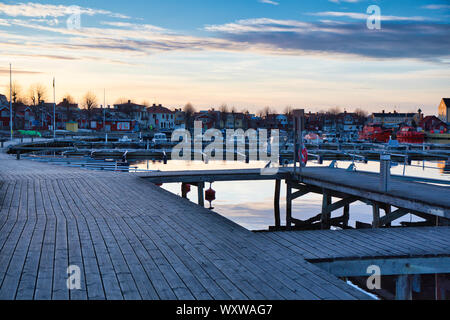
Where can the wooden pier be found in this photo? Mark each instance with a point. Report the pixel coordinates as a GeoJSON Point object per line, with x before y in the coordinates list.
{"type": "Point", "coordinates": [133, 240]}
{"type": "Point", "coordinates": [428, 201]}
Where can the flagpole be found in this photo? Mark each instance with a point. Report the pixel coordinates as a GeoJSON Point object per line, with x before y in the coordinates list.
{"type": "Point", "coordinates": [10, 102]}
{"type": "Point", "coordinates": [104, 110]}
{"type": "Point", "coordinates": [54, 110]}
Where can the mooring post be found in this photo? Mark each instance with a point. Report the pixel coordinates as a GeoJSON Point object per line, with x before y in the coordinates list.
{"type": "Point", "coordinates": [276, 203]}
{"type": "Point", "coordinates": [376, 215]}
{"type": "Point", "coordinates": [18, 154]}
{"type": "Point", "coordinates": [288, 205]}
{"type": "Point", "coordinates": [385, 172]}
{"type": "Point", "coordinates": [403, 288]}
{"type": "Point", "coordinates": [201, 200]}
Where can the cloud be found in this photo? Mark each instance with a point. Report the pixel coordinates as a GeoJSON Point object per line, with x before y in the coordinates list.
{"type": "Point", "coordinates": [395, 40]}
{"type": "Point", "coordinates": [269, 2]}
{"type": "Point", "coordinates": [39, 10]}
{"type": "Point", "coordinates": [363, 16]}
{"type": "Point", "coordinates": [349, 1]}
{"type": "Point", "coordinates": [6, 71]}
{"type": "Point", "coordinates": [436, 6]}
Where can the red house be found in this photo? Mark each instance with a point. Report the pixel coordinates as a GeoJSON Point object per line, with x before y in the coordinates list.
{"type": "Point", "coordinates": [433, 124]}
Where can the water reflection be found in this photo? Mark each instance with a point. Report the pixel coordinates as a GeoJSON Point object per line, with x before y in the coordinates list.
{"type": "Point", "coordinates": [250, 203]}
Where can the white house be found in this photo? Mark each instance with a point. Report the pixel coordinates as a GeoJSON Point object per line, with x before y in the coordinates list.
{"type": "Point", "coordinates": [161, 117]}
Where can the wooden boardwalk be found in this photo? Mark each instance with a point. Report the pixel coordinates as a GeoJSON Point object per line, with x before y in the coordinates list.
{"type": "Point", "coordinates": [320, 245]}
{"type": "Point", "coordinates": [133, 240]}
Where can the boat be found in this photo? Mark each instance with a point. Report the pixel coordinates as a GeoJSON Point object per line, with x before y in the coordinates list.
{"type": "Point", "coordinates": [408, 134]}
{"type": "Point", "coordinates": [312, 138]}
{"type": "Point", "coordinates": [375, 133]}
{"type": "Point", "coordinates": [160, 138]}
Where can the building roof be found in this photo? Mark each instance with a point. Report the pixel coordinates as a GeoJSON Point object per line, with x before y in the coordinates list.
{"type": "Point", "coordinates": [446, 102]}
{"type": "Point", "coordinates": [158, 109]}
{"type": "Point", "coordinates": [394, 114]}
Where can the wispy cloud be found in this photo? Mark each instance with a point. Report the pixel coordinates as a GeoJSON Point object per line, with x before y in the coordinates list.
{"type": "Point", "coordinates": [349, 1]}
{"type": "Point", "coordinates": [417, 40]}
{"type": "Point", "coordinates": [39, 10]}
{"type": "Point", "coordinates": [363, 16]}
{"type": "Point", "coordinates": [437, 7]}
{"type": "Point", "coordinates": [269, 2]}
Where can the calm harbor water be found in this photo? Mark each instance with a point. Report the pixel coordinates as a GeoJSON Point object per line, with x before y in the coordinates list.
{"type": "Point", "coordinates": [250, 203]}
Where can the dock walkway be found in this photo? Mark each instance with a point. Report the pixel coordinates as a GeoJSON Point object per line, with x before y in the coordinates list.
{"type": "Point", "coordinates": [134, 240]}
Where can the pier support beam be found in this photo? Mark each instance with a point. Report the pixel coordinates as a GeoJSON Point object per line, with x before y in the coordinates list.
{"type": "Point", "coordinates": [403, 287]}
{"type": "Point", "coordinates": [201, 200]}
{"type": "Point", "coordinates": [376, 215]}
{"type": "Point", "coordinates": [288, 205]}
{"type": "Point", "coordinates": [326, 212]}
{"type": "Point", "coordinates": [346, 216]}
{"type": "Point", "coordinates": [276, 203]}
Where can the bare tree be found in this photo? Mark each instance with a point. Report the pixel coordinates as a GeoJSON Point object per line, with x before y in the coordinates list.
{"type": "Point", "coordinates": [146, 103]}
{"type": "Point", "coordinates": [334, 111]}
{"type": "Point", "coordinates": [89, 103]}
{"type": "Point", "coordinates": [267, 111]}
{"type": "Point", "coordinates": [223, 108]}
{"type": "Point", "coordinates": [67, 101]}
{"type": "Point", "coordinates": [188, 113]}
{"type": "Point", "coordinates": [121, 100]}
{"type": "Point", "coordinates": [37, 93]}
{"type": "Point", "coordinates": [288, 110]}
{"type": "Point", "coordinates": [361, 113]}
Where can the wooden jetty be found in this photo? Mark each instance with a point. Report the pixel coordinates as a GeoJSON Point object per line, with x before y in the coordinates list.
{"type": "Point", "coordinates": [133, 240]}
{"type": "Point", "coordinates": [427, 201]}
{"type": "Point", "coordinates": [395, 251]}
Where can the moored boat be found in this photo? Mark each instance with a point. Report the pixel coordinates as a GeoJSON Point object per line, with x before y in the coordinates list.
{"type": "Point", "coordinates": [375, 132]}
{"type": "Point", "coordinates": [408, 134]}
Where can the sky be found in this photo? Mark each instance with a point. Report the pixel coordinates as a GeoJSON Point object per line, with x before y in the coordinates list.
{"type": "Point", "coordinates": [312, 54]}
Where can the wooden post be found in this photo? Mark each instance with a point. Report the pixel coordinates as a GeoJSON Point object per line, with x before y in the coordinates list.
{"type": "Point", "coordinates": [326, 214]}
{"type": "Point", "coordinates": [200, 187]}
{"type": "Point", "coordinates": [288, 205]}
{"type": "Point", "coordinates": [346, 215]}
{"type": "Point", "coordinates": [276, 203]}
{"type": "Point", "coordinates": [376, 215]}
{"type": "Point", "coordinates": [403, 288]}
{"type": "Point", "coordinates": [387, 211]}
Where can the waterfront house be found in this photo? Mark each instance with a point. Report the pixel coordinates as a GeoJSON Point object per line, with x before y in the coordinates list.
{"type": "Point", "coordinates": [395, 119]}
{"type": "Point", "coordinates": [444, 110]}
{"type": "Point", "coordinates": [161, 117]}
{"type": "Point", "coordinates": [433, 124]}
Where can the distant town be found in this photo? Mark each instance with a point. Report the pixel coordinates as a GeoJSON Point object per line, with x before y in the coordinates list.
{"type": "Point", "coordinates": [127, 116]}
